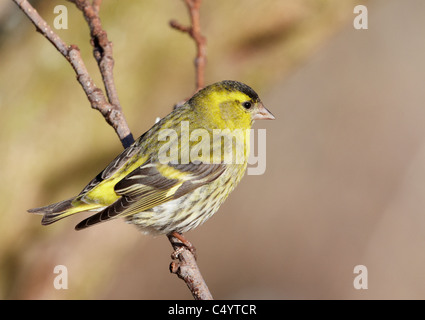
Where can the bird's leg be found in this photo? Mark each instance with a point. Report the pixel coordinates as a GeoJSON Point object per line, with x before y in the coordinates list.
{"type": "Point", "coordinates": [183, 242]}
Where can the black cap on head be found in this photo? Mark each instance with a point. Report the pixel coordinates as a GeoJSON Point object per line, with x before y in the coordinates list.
{"type": "Point", "coordinates": [232, 85]}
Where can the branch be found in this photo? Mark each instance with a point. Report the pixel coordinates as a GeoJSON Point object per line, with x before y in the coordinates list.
{"type": "Point", "coordinates": [194, 31]}
{"type": "Point", "coordinates": [188, 270]}
{"type": "Point", "coordinates": [102, 48]}
{"type": "Point", "coordinates": [110, 110]}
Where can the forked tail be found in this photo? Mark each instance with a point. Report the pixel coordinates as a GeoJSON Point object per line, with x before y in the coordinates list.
{"type": "Point", "coordinates": [60, 210]}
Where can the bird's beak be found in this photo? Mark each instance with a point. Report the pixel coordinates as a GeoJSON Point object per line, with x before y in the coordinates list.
{"type": "Point", "coordinates": [263, 113]}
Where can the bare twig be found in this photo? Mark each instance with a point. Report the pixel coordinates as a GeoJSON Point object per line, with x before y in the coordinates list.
{"type": "Point", "coordinates": [102, 47]}
{"type": "Point", "coordinates": [194, 31]}
{"type": "Point", "coordinates": [187, 270]}
{"type": "Point", "coordinates": [111, 110]}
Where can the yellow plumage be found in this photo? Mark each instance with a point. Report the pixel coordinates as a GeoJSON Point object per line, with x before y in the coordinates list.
{"type": "Point", "coordinates": [174, 184]}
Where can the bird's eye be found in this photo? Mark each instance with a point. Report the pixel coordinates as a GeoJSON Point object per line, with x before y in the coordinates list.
{"type": "Point", "coordinates": [247, 104]}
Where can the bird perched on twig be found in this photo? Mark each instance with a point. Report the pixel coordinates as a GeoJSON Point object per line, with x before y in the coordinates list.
{"type": "Point", "coordinates": [177, 174]}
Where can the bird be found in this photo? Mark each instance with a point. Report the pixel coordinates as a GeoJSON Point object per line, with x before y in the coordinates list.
{"type": "Point", "coordinates": [177, 174]}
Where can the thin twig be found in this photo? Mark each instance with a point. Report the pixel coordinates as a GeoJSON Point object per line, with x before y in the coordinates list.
{"type": "Point", "coordinates": [102, 52]}
{"type": "Point", "coordinates": [187, 269]}
{"type": "Point", "coordinates": [194, 31]}
{"type": "Point", "coordinates": [102, 48]}
{"type": "Point", "coordinates": [111, 112]}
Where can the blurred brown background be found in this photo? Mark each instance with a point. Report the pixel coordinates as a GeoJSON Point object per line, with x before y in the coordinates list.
{"type": "Point", "coordinates": [345, 175]}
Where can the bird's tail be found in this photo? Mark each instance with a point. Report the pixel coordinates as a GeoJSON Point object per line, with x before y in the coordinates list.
{"type": "Point", "coordinates": [63, 209]}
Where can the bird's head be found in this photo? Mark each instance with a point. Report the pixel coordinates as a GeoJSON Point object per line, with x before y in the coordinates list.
{"type": "Point", "coordinates": [230, 104]}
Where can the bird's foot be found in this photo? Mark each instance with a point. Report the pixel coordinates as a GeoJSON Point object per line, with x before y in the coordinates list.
{"type": "Point", "coordinates": [182, 245]}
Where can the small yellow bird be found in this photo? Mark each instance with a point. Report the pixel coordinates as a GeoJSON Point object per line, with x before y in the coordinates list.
{"type": "Point", "coordinates": [177, 174]}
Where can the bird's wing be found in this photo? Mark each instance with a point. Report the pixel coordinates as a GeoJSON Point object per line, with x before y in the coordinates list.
{"type": "Point", "coordinates": [115, 165]}
{"type": "Point", "coordinates": [153, 184]}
